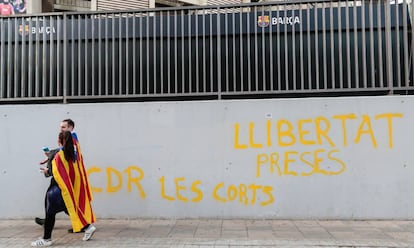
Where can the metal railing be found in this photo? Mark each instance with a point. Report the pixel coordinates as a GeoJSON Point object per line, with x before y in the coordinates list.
{"type": "Point", "coordinates": [274, 49]}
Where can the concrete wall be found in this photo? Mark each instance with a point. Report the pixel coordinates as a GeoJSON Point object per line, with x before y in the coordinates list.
{"type": "Point", "coordinates": [34, 6]}
{"type": "Point", "coordinates": [287, 158]}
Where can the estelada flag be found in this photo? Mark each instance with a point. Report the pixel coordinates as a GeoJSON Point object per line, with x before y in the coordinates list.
{"type": "Point", "coordinates": [73, 182]}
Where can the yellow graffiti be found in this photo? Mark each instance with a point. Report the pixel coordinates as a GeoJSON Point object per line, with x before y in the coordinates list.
{"type": "Point", "coordinates": [216, 195]}
{"type": "Point", "coordinates": [303, 132]}
{"type": "Point", "coordinates": [366, 128]}
{"type": "Point", "coordinates": [111, 173]}
{"type": "Point", "coordinates": [314, 131]}
{"type": "Point", "coordinates": [135, 180]}
{"type": "Point", "coordinates": [285, 133]}
{"type": "Point", "coordinates": [163, 194]}
{"type": "Point", "coordinates": [110, 186]}
{"type": "Point", "coordinates": [179, 187]}
{"type": "Point", "coordinates": [272, 159]}
{"type": "Point", "coordinates": [268, 131]}
{"type": "Point", "coordinates": [308, 163]}
{"type": "Point", "coordinates": [196, 190]}
{"type": "Point", "coordinates": [91, 170]}
{"type": "Point", "coordinates": [389, 117]}
{"type": "Point", "coordinates": [183, 190]}
{"type": "Point", "coordinates": [267, 190]}
{"type": "Point", "coordinates": [320, 132]}
{"type": "Point", "coordinates": [236, 141]}
{"type": "Point", "coordinates": [244, 194]}
{"type": "Point", "coordinates": [251, 137]}
{"type": "Point", "coordinates": [343, 119]}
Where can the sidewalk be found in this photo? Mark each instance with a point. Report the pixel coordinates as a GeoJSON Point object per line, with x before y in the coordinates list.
{"type": "Point", "coordinates": [211, 233]}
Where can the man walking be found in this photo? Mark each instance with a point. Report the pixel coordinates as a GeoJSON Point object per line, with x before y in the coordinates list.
{"type": "Point", "coordinates": [69, 125]}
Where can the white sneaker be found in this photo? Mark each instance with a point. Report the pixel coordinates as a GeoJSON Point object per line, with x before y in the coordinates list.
{"type": "Point", "coordinates": [89, 232]}
{"type": "Point", "coordinates": [42, 242]}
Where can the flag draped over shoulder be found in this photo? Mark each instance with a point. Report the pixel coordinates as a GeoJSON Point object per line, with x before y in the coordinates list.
{"type": "Point", "coordinates": [73, 183]}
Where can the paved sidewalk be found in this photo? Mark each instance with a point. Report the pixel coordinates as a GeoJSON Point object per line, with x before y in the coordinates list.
{"type": "Point", "coordinates": [209, 233]}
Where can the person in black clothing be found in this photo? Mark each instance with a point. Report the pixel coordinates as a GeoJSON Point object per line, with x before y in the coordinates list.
{"type": "Point", "coordinates": [47, 171]}
{"type": "Point", "coordinates": [53, 201]}
{"type": "Point", "coordinates": [65, 125]}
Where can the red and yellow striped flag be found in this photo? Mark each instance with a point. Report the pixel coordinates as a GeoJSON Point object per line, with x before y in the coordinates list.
{"type": "Point", "coordinates": [73, 182]}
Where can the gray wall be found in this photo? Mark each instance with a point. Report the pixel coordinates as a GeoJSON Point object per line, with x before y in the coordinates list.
{"type": "Point", "coordinates": [288, 158]}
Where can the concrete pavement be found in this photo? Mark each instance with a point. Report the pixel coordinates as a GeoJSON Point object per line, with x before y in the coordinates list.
{"type": "Point", "coordinates": [221, 233]}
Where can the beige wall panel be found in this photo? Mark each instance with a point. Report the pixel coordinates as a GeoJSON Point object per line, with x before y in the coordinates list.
{"type": "Point", "coordinates": [121, 5]}
{"type": "Point", "coordinates": [221, 2]}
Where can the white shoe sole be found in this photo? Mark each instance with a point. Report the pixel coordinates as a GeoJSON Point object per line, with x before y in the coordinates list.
{"type": "Point", "coordinates": [89, 233]}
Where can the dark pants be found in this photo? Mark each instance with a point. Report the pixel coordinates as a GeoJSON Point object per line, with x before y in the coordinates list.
{"type": "Point", "coordinates": [54, 204]}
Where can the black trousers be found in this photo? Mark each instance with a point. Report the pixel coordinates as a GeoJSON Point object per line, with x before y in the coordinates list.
{"type": "Point", "coordinates": [54, 205]}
